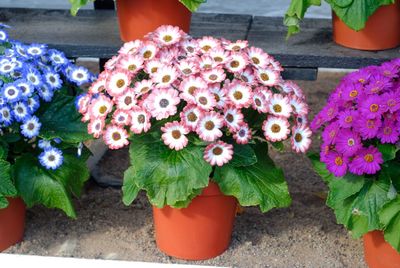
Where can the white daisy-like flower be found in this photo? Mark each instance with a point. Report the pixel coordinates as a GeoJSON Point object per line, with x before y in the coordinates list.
{"type": "Point", "coordinates": [237, 62]}
{"type": "Point", "coordinates": [167, 35]}
{"type": "Point", "coordinates": [236, 46]}
{"type": "Point", "coordinates": [100, 107]}
{"type": "Point", "coordinates": [276, 128]}
{"type": "Point", "coordinates": [111, 63]}
{"type": "Point", "coordinates": [258, 57]}
{"type": "Point", "coordinates": [204, 99]}
{"type": "Point", "coordinates": [174, 135]}
{"type": "Point", "coordinates": [148, 50]}
{"type": "Point", "coordinates": [208, 43]}
{"type": "Point", "coordinates": [115, 137]}
{"type": "Point", "coordinates": [190, 46]}
{"type": "Point", "coordinates": [165, 76]}
{"type": "Point", "coordinates": [130, 47]}
{"type": "Point", "coordinates": [11, 92]}
{"type": "Point", "coordinates": [209, 126]}
{"type": "Point", "coordinates": [299, 107]}
{"type": "Point", "coordinates": [239, 94]}
{"type": "Point", "coordinates": [31, 127]}
{"type": "Point", "coordinates": [98, 86]}
{"type": "Point", "coordinates": [218, 153]}
{"type": "Point", "coordinates": [247, 76]}
{"type": "Point", "coordinates": [219, 55]}
{"type": "Point", "coordinates": [51, 158]}
{"type": "Point", "coordinates": [219, 95]}
{"type": "Point", "coordinates": [162, 103]}
{"type": "Point", "coordinates": [207, 63]}
{"type": "Point", "coordinates": [188, 67]}
{"type": "Point", "coordinates": [189, 86]}
{"type": "Point", "coordinates": [284, 86]}
{"type": "Point", "coordinates": [300, 139]}
{"type": "Point", "coordinates": [142, 87]}
{"type": "Point", "coordinates": [131, 63]}
{"type": "Point", "coordinates": [268, 77]}
{"type": "Point", "coordinates": [243, 134]}
{"type": "Point", "coordinates": [190, 116]}
{"type": "Point", "coordinates": [140, 120]}
{"type": "Point", "coordinates": [266, 92]}
{"type": "Point", "coordinates": [95, 127]}
{"type": "Point", "coordinates": [127, 100]}
{"type": "Point", "coordinates": [215, 75]}
{"type": "Point", "coordinates": [233, 118]}
{"type": "Point", "coordinates": [152, 66]}
{"type": "Point", "coordinates": [117, 82]}
{"type": "Point", "coordinates": [279, 105]}
{"type": "Point", "coordinates": [121, 118]}
{"type": "Point", "coordinates": [259, 102]}
{"type": "Point", "coordinates": [275, 65]}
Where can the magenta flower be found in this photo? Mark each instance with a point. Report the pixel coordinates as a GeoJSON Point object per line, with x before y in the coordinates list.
{"type": "Point", "coordinates": [330, 132]}
{"type": "Point", "coordinates": [336, 163]}
{"type": "Point", "coordinates": [389, 132]}
{"type": "Point", "coordinates": [391, 101]}
{"type": "Point", "coordinates": [347, 118]}
{"type": "Point", "coordinates": [368, 128]}
{"type": "Point", "coordinates": [367, 161]}
{"type": "Point", "coordinates": [371, 107]}
{"type": "Point", "coordinates": [348, 142]}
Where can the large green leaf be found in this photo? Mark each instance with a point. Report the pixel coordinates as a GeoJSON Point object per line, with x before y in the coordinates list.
{"type": "Point", "coordinates": [169, 177]}
{"type": "Point", "coordinates": [7, 187]}
{"type": "Point", "coordinates": [355, 13]}
{"type": "Point", "coordinates": [244, 156]}
{"type": "Point", "coordinates": [60, 119]}
{"type": "Point", "coordinates": [76, 5]}
{"type": "Point", "coordinates": [260, 184]}
{"type": "Point", "coordinates": [295, 14]}
{"type": "Point", "coordinates": [320, 168]}
{"type": "Point", "coordinates": [389, 216]}
{"type": "Point", "coordinates": [356, 201]}
{"type": "Point", "coordinates": [53, 189]}
{"type": "Point", "coordinates": [388, 151]}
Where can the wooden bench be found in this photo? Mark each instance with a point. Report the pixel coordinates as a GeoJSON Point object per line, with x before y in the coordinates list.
{"type": "Point", "coordinates": [94, 33]}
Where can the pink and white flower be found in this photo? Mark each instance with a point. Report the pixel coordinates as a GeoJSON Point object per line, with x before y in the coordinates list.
{"type": "Point", "coordinates": [162, 103]}
{"type": "Point", "coordinates": [190, 116]}
{"type": "Point", "coordinates": [115, 137]}
{"type": "Point", "coordinates": [259, 102]}
{"type": "Point", "coordinates": [95, 127]}
{"type": "Point", "coordinates": [130, 47]}
{"type": "Point", "coordinates": [279, 105]}
{"type": "Point", "coordinates": [165, 76]}
{"type": "Point", "coordinates": [219, 95]}
{"type": "Point", "coordinates": [127, 100]}
{"type": "Point", "coordinates": [204, 99]}
{"type": "Point", "coordinates": [152, 66]}
{"type": "Point", "coordinates": [258, 57]}
{"type": "Point", "coordinates": [300, 139]}
{"type": "Point", "coordinates": [299, 107]}
{"type": "Point", "coordinates": [167, 35]}
{"type": "Point", "coordinates": [233, 118]}
{"type": "Point", "coordinates": [236, 46]}
{"type": "Point", "coordinates": [148, 50]}
{"type": "Point", "coordinates": [97, 86]}
{"type": "Point", "coordinates": [208, 43]}
{"type": "Point", "coordinates": [243, 134]}
{"type": "Point", "coordinates": [219, 55]}
{"type": "Point", "coordinates": [209, 126]}
{"type": "Point", "coordinates": [188, 67]}
{"type": "Point", "coordinates": [143, 87]}
{"type": "Point", "coordinates": [189, 86]}
{"type": "Point", "coordinates": [117, 82]}
{"type": "Point", "coordinates": [239, 94]}
{"type": "Point", "coordinates": [140, 120]}
{"type": "Point", "coordinates": [248, 76]}
{"type": "Point", "coordinates": [268, 77]}
{"type": "Point", "coordinates": [276, 128]}
{"type": "Point", "coordinates": [174, 135]}
{"type": "Point", "coordinates": [131, 63]}
{"type": "Point", "coordinates": [218, 153]}
{"type": "Point", "coordinates": [190, 46]}
{"type": "Point", "coordinates": [215, 75]}
{"type": "Point", "coordinates": [121, 118]}
{"type": "Point", "coordinates": [100, 107]}
{"type": "Point", "coordinates": [237, 62]}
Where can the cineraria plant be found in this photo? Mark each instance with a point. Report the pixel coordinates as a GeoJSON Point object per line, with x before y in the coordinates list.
{"type": "Point", "coordinates": [195, 109]}
{"type": "Point", "coordinates": [40, 129]}
{"type": "Point", "coordinates": [354, 13]}
{"type": "Point", "coordinates": [359, 159]}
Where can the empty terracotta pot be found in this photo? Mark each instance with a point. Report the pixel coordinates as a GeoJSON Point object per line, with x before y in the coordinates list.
{"type": "Point", "coordinates": [139, 17]}
{"type": "Point", "coordinates": [201, 231]}
{"type": "Point", "coordinates": [12, 223]}
{"type": "Point", "coordinates": [378, 253]}
{"type": "Point", "coordinates": [382, 30]}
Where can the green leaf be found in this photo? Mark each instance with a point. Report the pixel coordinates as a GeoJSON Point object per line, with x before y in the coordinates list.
{"type": "Point", "coordinates": [356, 201]}
{"type": "Point", "coordinates": [7, 187]}
{"type": "Point", "coordinates": [192, 5]}
{"type": "Point", "coordinates": [3, 202]}
{"type": "Point", "coordinates": [320, 168]}
{"type": "Point", "coordinates": [260, 184]}
{"type": "Point", "coordinates": [53, 189]}
{"type": "Point", "coordinates": [3, 149]}
{"type": "Point", "coordinates": [356, 13]}
{"type": "Point", "coordinates": [76, 5]}
{"type": "Point", "coordinates": [278, 145]}
{"type": "Point", "coordinates": [169, 177]}
{"type": "Point", "coordinates": [60, 119]}
{"type": "Point", "coordinates": [295, 14]}
{"type": "Point", "coordinates": [389, 216]}
{"type": "Point", "coordinates": [392, 169]}
{"type": "Point", "coordinates": [388, 151]}
{"type": "Point", "coordinates": [243, 155]}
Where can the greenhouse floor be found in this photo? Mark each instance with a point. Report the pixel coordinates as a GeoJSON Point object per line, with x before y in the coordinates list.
{"type": "Point", "coordinates": [303, 235]}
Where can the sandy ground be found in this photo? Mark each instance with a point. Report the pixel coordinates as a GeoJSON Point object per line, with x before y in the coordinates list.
{"type": "Point", "coordinates": [303, 235]}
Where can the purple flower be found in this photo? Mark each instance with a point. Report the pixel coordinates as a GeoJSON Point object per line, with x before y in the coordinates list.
{"type": "Point", "coordinates": [389, 132]}
{"type": "Point", "coordinates": [389, 69]}
{"type": "Point", "coordinates": [336, 163]}
{"type": "Point", "coordinates": [348, 142]}
{"type": "Point", "coordinates": [330, 132]}
{"type": "Point", "coordinates": [377, 84]}
{"type": "Point", "coordinates": [370, 107]}
{"type": "Point", "coordinates": [347, 118]}
{"type": "Point", "coordinates": [391, 101]}
{"type": "Point", "coordinates": [367, 161]}
{"type": "Point", "coordinates": [329, 112]}
{"type": "Point", "coordinates": [352, 91]}
{"type": "Point", "coordinates": [368, 128]}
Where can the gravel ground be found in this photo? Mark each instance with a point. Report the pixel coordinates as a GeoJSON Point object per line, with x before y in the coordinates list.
{"type": "Point", "coordinates": [303, 235]}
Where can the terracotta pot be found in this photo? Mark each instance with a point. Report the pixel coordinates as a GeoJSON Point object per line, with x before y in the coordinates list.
{"type": "Point", "coordinates": [378, 253]}
{"type": "Point", "coordinates": [201, 231]}
{"type": "Point", "coordinates": [138, 17]}
{"type": "Point", "coordinates": [382, 30]}
{"type": "Point", "coordinates": [12, 223]}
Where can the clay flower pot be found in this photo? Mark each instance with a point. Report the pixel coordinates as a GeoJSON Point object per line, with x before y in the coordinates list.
{"type": "Point", "coordinates": [12, 223]}
{"type": "Point", "coordinates": [139, 17]}
{"type": "Point", "coordinates": [382, 30]}
{"type": "Point", "coordinates": [201, 231]}
{"type": "Point", "coordinates": [379, 253]}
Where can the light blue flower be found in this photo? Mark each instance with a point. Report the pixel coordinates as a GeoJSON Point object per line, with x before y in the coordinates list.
{"type": "Point", "coordinates": [33, 77]}
{"type": "Point", "coordinates": [6, 116]}
{"type": "Point", "coordinates": [57, 57]}
{"type": "Point", "coordinates": [3, 35]}
{"type": "Point", "coordinates": [79, 75]}
{"type": "Point", "coordinates": [33, 103]}
{"type": "Point", "coordinates": [21, 111]}
{"type": "Point", "coordinates": [31, 127]}
{"type": "Point", "coordinates": [25, 88]}
{"type": "Point", "coordinates": [36, 50]}
{"type": "Point", "coordinates": [51, 158]}
{"type": "Point", "coordinates": [45, 93]}
{"type": "Point", "coordinates": [52, 79]}
{"type": "Point", "coordinates": [44, 144]}
{"type": "Point", "coordinates": [11, 92]}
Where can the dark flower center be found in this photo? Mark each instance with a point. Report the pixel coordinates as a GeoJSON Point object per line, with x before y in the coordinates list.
{"type": "Point", "coordinates": [164, 103]}
{"type": "Point", "coordinates": [209, 125]}
{"type": "Point", "coordinates": [275, 128]}
{"type": "Point", "coordinates": [217, 150]}
{"type": "Point", "coordinates": [176, 134]}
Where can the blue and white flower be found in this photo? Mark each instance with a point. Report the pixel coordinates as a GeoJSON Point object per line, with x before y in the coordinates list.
{"type": "Point", "coordinates": [3, 35]}
{"type": "Point", "coordinates": [6, 116]}
{"type": "Point", "coordinates": [57, 57]}
{"type": "Point", "coordinates": [20, 111]}
{"type": "Point", "coordinates": [25, 88]}
{"type": "Point", "coordinates": [45, 93]}
{"type": "Point", "coordinates": [79, 75]}
{"type": "Point", "coordinates": [11, 92]}
{"type": "Point", "coordinates": [53, 79]}
{"type": "Point", "coordinates": [31, 127]}
{"type": "Point", "coordinates": [51, 158]}
{"type": "Point", "coordinates": [7, 66]}
{"type": "Point", "coordinates": [44, 144]}
{"type": "Point", "coordinates": [33, 104]}
{"type": "Point", "coordinates": [36, 50]}
{"type": "Point", "coordinates": [33, 77]}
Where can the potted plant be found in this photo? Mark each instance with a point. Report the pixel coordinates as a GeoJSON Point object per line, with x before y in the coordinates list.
{"type": "Point", "coordinates": [138, 17]}
{"type": "Point", "coordinates": [198, 115]}
{"type": "Point", "coordinates": [40, 133]}
{"type": "Point", "coordinates": [359, 158]}
{"type": "Point", "coordinates": [360, 24]}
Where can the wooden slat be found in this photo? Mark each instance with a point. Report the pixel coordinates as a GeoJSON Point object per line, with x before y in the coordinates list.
{"type": "Point", "coordinates": [312, 47]}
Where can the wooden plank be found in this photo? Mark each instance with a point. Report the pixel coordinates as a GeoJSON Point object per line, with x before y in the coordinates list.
{"type": "Point", "coordinates": [295, 73]}
{"type": "Point", "coordinates": [312, 47]}
{"type": "Point", "coordinates": [95, 33]}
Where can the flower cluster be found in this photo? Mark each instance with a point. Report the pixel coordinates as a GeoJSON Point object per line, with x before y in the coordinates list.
{"type": "Point", "coordinates": [361, 113]}
{"type": "Point", "coordinates": [207, 87]}
{"type": "Point", "coordinates": [29, 76]}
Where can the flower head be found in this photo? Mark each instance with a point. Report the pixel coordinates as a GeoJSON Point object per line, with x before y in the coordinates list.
{"type": "Point", "coordinates": [218, 153]}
